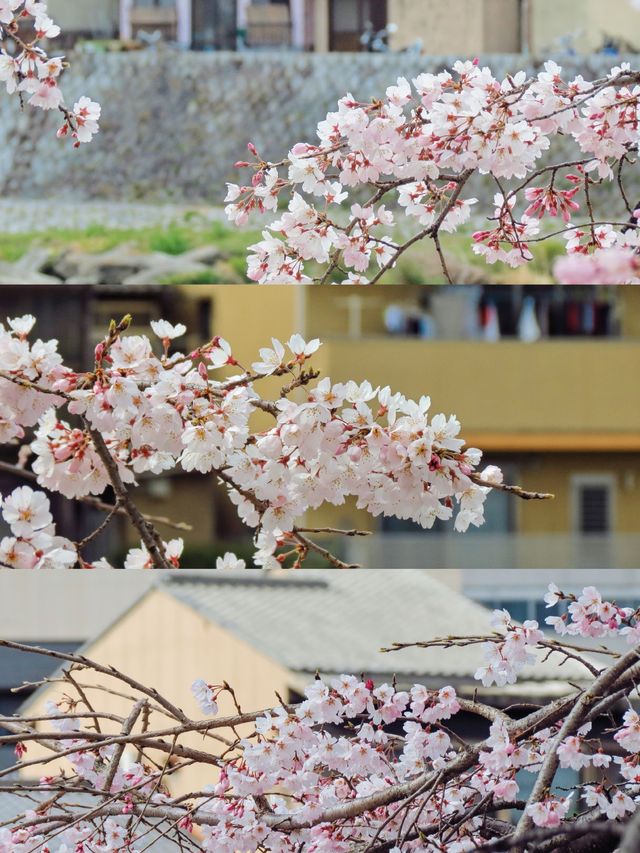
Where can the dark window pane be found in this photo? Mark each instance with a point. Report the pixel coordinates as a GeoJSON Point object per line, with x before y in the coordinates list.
{"type": "Point", "coordinates": [594, 509]}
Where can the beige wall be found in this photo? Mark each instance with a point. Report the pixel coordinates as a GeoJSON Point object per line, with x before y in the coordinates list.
{"type": "Point", "coordinates": [614, 18]}
{"type": "Point", "coordinates": [501, 26]}
{"type": "Point", "coordinates": [85, 15]}
{"type": "Point", "coordinates": [321, 25]}
{"type": "Point", "coordinates": [589, 20]}
{"type": "Point", "coordinates": [455, 26]}
{"type": "Point", "coordinates": [166, 645]}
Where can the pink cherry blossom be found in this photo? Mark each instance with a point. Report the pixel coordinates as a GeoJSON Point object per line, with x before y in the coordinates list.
{"type": "Point", "coordinates": [33, 72]}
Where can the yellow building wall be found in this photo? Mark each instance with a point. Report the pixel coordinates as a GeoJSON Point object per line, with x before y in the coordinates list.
{"type": "Point", "coordinates": [165, 644]}
{"type": "Point", "coordinates": [561, 385]}
{"type": "Point", "coordinates": [553, 387]}
{"type": "Point", "coordinates": [187, 499]}
{"type": "Point", "coordinates": [248, 316]}
{"type": "Point", "coordinates": [554, 472]}
{"type": "Point", "coordinates": [630, 311]}
{"type": "Point", "coordinates": [568, 388]}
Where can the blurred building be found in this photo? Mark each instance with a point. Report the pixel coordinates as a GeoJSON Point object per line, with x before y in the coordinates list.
{"type": "Point", "coordinates": [458, 27]}
{"type": "Point", "coordinates": [216, 24]}
{"type": "Point", "coordinates": [582, 26]}
{"type": "Point", "coordinates": [559, 414]}
{"type": "Point", "coordinates": [268, 635]}
{"type": "Point", "coordinates": [88, 19]}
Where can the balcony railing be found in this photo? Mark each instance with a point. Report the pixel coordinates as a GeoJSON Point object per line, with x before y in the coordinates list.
{"type": "Point", "coordinates": [501, 551]}
{"type": "Point", "coordinates": [152, 19]}
{"type": "Point", "coordinates": [268, 25]}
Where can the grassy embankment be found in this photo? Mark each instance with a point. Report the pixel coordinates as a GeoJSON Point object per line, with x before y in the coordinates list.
{"type": "Point", "coordinates": [418, 266]}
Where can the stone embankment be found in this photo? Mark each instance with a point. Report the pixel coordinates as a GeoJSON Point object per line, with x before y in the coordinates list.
{"type": "Point", "coordinates": [122, 265]}
{"type": "Point", "coordinates": [174, 123]}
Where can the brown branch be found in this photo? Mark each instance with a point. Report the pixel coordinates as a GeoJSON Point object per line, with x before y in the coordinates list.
{"type": "Point", "coordinates": [572, 722]}
{"type": "Point", "coordinates": [147, 531]}
{"type": "Point", "coordinates": [518, 491]}
{"type": "Point", "coordinates": [127, 727]}
{"type": "Point", "coordinates": [86, 663]}
{"type": "Point", "coordinates": [309, 544]}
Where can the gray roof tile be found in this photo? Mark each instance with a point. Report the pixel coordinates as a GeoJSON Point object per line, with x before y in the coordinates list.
{"type": "Point", "coordinates": [336, 621]}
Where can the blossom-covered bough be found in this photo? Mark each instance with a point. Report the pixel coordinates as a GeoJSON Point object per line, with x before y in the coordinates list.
{"type": "Point", "coordinates": [136, 411]}
{"type": "Point", "coordinates": [405, 161]}
{"type": "Point", "coordinates": [356, 767]}
{"type": "Point", "coordinates": [28, 72]}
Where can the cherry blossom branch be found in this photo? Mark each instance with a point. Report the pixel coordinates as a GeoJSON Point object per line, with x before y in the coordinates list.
{"type": "Point", "coordinates": [308, 544]}
{"type": "Point", "coordinates": [143, 414]}
{"type": "Point", "coordinates": [95, 503]}
{"type": "Point", "coordinates": [417, 149]}
{"type": "Point", "coordinates": [33, 75]}
{"type": "Point", "coordinates": [145, 528]}
{"type": "Point", "coordinates": [574, 719]}
{"type": "Point", "coordinates": [453, 793]}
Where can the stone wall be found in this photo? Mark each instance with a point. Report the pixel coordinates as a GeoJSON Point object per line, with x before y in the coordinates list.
{"type": "Point", "coordinates": [174, 123]}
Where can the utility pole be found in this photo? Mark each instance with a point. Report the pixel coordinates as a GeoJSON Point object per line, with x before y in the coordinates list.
{"type": "Point", "coordinates": [526, 26]}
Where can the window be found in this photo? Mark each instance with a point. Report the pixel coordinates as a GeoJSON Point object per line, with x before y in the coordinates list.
{"type": "Point", "coordinates": [569, 312]}
{"type": "Point", "coordinates": [349, 20]}
{"type": "Point", "coordinates": [522, 609]}
{"type": "Point", "coordinates": [48, 304]}
{"type": "Point", "coordinates": [593, 498]}
{"type": "Point", "coordinates": [214, 24]}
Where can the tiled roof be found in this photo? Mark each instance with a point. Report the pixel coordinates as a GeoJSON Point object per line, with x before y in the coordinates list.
{"type": "Point", "coordinates": [337, 621]}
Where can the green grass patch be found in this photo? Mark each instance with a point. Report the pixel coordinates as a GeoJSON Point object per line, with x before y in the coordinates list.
{"type": "Point", "coordinates": [204, 277]}
{"type": "Point", "coordinates": [174, 240]}
{"type": "Point", "coordinates": [418, 266]}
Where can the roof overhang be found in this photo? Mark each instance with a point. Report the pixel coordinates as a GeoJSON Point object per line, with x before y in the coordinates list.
{"type": "Point", "coordinates": [554, 442]}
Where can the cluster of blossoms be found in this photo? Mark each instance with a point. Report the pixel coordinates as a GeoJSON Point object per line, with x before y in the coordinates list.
{"type": "Point", "coordinates": [418, 147]}
{"type": "Point", "coordinates": [33, 543]}
{"type": "Point", "coordinates": [138, 412]}
{"type": "Point", "coordinates": [604, 266]}
{"type": "Point", "coordinates": [358, 766]}
{"type": "Point", "coordinates": [33, 75]}
{"type": "Point", "coordinates": [589, 616]}
{"type": "Point", "coordinates": [504, 660]}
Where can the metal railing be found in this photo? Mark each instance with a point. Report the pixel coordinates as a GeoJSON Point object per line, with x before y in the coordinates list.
{"type": "Point", "coordinates": [495, 551]}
